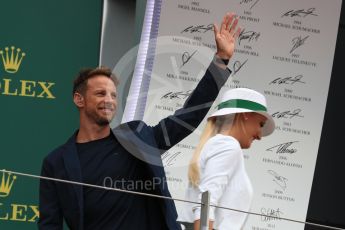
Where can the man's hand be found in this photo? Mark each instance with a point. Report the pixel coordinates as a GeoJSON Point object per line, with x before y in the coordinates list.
{"type": "Point", "coordinates": [226, 36]}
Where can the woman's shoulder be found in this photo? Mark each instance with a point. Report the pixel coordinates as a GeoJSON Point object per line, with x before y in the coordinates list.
{"type": "Point", "coordinates": [220, 143]}
{"type": "Point", "coordinates": [225, 140]}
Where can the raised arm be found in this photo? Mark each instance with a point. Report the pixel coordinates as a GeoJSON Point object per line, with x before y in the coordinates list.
{"type": "Point", "coordinates": [174, 128]}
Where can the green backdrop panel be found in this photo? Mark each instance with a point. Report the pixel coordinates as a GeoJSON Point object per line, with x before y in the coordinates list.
{"type": "Point", "coordinates": [56, 39]}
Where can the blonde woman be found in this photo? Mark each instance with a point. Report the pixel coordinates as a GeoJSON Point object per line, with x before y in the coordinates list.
{"type": "Point", "coordinates": [217, 164]}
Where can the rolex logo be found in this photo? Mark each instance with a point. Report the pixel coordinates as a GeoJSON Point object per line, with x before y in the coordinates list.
{"type": "Point", "coordinates": [12, 59]}
{"type": "Point", "coordinates": [6, 183]}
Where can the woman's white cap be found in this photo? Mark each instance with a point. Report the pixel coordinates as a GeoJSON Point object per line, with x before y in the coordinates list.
{"type": "Point", "coordinates": [243, 100]}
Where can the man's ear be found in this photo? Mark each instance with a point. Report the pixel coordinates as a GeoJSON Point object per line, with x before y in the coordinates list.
{"type": "Point", "coordinates": [78, 100]}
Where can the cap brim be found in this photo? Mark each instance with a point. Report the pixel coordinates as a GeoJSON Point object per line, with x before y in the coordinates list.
{"type": "Point", "coordinates": [267, 129]}
{"type": "Point", "coordinates": [269, 126]}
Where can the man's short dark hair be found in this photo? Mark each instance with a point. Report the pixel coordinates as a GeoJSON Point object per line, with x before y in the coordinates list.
{"type": "Point", "coordinates": [80, 82]}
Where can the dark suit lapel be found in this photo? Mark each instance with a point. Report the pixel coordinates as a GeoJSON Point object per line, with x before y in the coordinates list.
{"type": "Point", "coordinates": [136, 138]}
{"type": "Point", "coordinates": [73, 169]}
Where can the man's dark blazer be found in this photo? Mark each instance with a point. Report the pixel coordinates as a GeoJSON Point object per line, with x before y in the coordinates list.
{"type": "Point", "coordinates": [61, 200]}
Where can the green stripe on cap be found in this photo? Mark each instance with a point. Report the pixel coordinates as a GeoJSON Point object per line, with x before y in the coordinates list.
{"type": "Point", "coordinates": [243, 104]}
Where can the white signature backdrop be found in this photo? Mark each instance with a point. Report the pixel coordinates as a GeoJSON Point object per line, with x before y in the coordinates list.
{"type": "Point", "coordinates": [285, 52]}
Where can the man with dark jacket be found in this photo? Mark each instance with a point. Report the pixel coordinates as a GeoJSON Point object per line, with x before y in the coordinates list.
{"type": "Point", "coordinates": [129, 154]}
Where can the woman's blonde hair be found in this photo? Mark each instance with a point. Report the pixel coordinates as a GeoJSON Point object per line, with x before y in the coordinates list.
{"type": "Point", "coordinates": [213, 126]}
